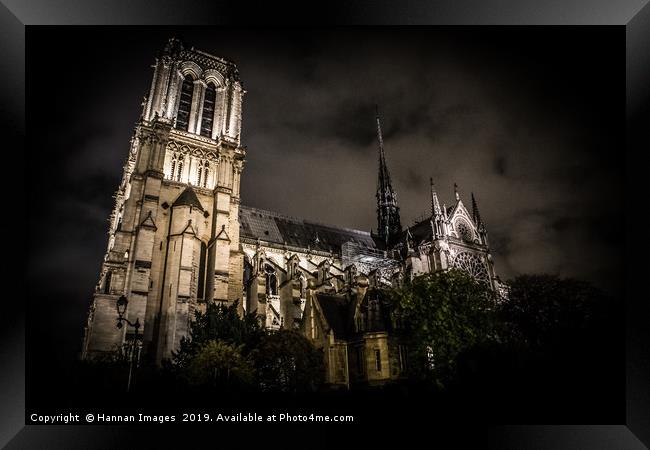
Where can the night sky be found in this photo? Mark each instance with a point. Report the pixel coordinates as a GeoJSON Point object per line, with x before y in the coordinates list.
{"type": "Point", "coordinates": [529, 119]}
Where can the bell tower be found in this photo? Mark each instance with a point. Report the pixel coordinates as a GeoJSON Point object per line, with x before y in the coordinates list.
{"type": "Point", "coordinates": [173, 238]}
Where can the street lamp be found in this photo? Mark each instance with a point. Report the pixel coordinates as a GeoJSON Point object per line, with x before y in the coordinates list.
{"type": "Point", "coordinates": [121, 305]}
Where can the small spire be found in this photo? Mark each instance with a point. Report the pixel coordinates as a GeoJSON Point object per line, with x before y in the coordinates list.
{"type": "Point", "coordinates": [435, 204]}
{"type": "Point", "coordinates": [456, 192]}
{"type": "Point", "coordinates": [475, 214]}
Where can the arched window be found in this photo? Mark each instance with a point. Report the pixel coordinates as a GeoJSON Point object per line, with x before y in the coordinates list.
{"type": "Point", "coordinates": [185, 104]}
{"type": "Point", "coordinates": [202, 262]}
{"type": "Point", "coordinates": [203, 171]}
{"type": "Point", "coordinates": [176, 167]}
{"type": "Point", "coordinates": [271, 280]}
{"type": "Point", "coordinates": [206, 172]}
{"type": "Point", "coordinates": [107, 282]}
{"type": "Point", "coordinates": [179, 174]}
{"type": "Point", "coordinates": [303, 287]}
{"type": "Point", "coordinates": [208, 110]}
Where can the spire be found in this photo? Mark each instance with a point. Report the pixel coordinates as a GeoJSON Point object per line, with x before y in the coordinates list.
{"type": "Point", "coordinates": [456, 192]}
{"type": "Point", "coordinates": [409, 239]}
{"type": "Point", "coordinates": [435, 204]}
{"type": "Point", "coordinates": [384, 176]}
{"type": "Point", "coordinates": [388, 220]}
{"type": "Point", "coordinates": [475, 214]}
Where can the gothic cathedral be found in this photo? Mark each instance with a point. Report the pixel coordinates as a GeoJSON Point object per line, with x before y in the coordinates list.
{"type": "Point", "coordinates": [179, 237]}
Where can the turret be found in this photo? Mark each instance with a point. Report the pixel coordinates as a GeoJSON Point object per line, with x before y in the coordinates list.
{"type": "Point", "coordinates": [476, 216]}
{"type": "Point", "coordinates": [438, 228]}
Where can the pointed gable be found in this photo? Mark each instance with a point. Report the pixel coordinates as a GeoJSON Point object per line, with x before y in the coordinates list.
{"type": "Point", "coordinates": [148, 222]}
{"type": "Point", "coordinates": [460, 210]}
{"type": "Point", "coordinates": [188, 198]}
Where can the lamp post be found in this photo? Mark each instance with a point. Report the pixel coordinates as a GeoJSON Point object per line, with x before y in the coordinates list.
{"type": "Point", "coordinates": [121, 304]}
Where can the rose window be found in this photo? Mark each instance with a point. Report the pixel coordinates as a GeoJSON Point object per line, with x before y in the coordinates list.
{"type": "Point", "coordinates": [473, 265]}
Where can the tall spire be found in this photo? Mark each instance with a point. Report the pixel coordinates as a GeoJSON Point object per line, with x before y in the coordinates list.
{"type": "Point", "coordinates": [475, 214]}
{"type": "Point", "coordinates": [384, 176]}
{"type": "Point", "coordinates": [388, 221]}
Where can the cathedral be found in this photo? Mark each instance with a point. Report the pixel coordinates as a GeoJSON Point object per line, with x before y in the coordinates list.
{"type": "Point", "coordinates": [179, 238]}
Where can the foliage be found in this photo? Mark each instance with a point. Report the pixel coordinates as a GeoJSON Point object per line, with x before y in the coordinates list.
{"type": "Point", "coordinates": [545, 310]}
{"type": "Point", "coordinates": [219, 364]}
{"type": "Point", "coordinates": [219, 323]}
{"type": "Point", "coordinates": [443, 314]}
{"type": "Point", "coordinates": [226, 349]}
{"type": "Point", "coordinates": [287, 361]}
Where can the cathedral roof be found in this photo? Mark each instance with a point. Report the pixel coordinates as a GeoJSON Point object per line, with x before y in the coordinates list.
{"type": "Point", "coordinates": [188, 198]}
{"type": "Point", "coordinates": [280, 229]}
{"type": "Point", "coordinates": [420, 232]}
{"type": "Point", "coordinates": [337, 312]}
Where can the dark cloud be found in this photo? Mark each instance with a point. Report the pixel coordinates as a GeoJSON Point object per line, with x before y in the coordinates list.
{"type": "Point", "coordinates": [526, 118]}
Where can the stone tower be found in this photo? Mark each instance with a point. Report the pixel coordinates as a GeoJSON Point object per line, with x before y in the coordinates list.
{"type": "Point", "coordinates": [173, 239]}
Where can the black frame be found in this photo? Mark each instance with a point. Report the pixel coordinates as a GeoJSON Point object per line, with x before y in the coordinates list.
{"type": "Point", "coordinates": [634, 15]}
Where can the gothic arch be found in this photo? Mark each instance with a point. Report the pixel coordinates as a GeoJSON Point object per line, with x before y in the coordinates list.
{"type": "Point", "coordinates": [208, 108]}
{"type": "Point", "coordinates": [213, 76]}
{"type": "Point", "coordinates": [190, 68]}
{"type": "Point", "coordinates": [203, 173]}
{"type": "Point", "coordinates": [186, 96]}
{"type": "Point", "coordinates": [271, 279]}
{"type": "Point", "coordinates": [176, 166]}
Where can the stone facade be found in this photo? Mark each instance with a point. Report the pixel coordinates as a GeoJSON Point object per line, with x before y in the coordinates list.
{"type": "Point", "coordinates": [179, 238]}
{"type": "Point", "coordinates": [175, 219]}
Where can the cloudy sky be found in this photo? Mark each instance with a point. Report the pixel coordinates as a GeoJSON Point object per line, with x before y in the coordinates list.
{"type": "Point", "coordinates": [529, 119]}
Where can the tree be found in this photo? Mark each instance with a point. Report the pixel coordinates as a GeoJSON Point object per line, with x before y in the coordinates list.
{"type": "Point", "coordinates": [287, 361]}
{"type": "Point", "coordinates": [220, 365]}
{"type": "Point", "coordinates": [219, 323]}
{"type": "Point", "coordinates": [443, 314]}
{"type": "Point", "coordinates": [545, 310]}
{"type": "Point", "coordinates": [225, 349]}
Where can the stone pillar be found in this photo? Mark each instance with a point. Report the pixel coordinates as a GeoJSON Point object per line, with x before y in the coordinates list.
{"type": "Point", "coordinates": [219, 106]}
{"type": "Point", "coordinates": [162, 87]}
{"type": "Point", "coordinates": [173, 95]}
{"type": "Point", "coordinates": [199, 111]}
{"type": "Point", "coordinates": [155, 81]}
{"type": "Point", "coordinates": [234, 127]}
{"type": "Point", "coordinates": [197, 98]}
{"type": "Point", "coordinates": [227, 112]}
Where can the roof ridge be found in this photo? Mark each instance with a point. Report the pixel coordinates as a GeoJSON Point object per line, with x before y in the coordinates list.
{"type": "Point", "coordinates": [299, 219]}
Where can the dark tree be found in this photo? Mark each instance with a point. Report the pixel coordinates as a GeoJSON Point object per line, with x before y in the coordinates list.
{"type": "Point", "coordinates": [219, 323]}
{"type": "Point", "coordinates": [225, 350]}
{"type": "Point", "coordinates": [220, 365]}
{"type": "Point", "coordinates": [287, 361]}
{"type": "Point", "coordinates": [547, 311]}
{"type": "Point", "coordinates": [442, 314]}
